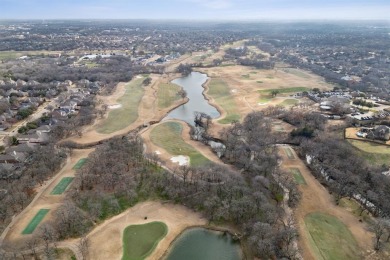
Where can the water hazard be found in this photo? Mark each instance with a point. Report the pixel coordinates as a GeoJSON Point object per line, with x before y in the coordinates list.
{"type": "Point", "coordinates": [204, 244]}
{"type": "Point", "coordinates": [192, 84]}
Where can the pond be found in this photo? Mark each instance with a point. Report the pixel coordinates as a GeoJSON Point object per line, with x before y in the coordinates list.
{"type": "Point", "coordinates": [192, 84]}
{"type": "Point", "coordinates": [204, 244]}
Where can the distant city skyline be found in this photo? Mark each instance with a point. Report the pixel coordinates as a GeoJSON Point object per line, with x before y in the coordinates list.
{"type": "Point", "coordinates": [197, 9]}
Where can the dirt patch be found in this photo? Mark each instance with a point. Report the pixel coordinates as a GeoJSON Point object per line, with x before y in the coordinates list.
{"type": "Point", "coordinates": [315, 198]}
{"type": "Point", "coordinates": [106, 239]}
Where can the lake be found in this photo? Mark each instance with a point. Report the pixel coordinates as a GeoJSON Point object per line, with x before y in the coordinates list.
{"type": "Point", "coordinates": [204, 244]}
{"type": "Point", "coordinates": [192, 84]}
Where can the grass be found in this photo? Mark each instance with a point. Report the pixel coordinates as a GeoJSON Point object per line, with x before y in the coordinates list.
{"type": "Point", "coordinates": [284, 90]}
{"type": "Point", "coordinates": [168, 136]}
{"type": "Point", "coordinates": [139, 241]}
{"type": "Point", "coordinates": [296, 73]}
{"type": "Point", "coordinates": [289, 153]}
{"type": "Point", "coordinates": [265, 99]}
{"type": "Point", "coordinates": [79, 164]}
{"type": "Point", "coordinates": [289, 102]}
{"type": "Point", "coordinates": [298, 176]}
{"type": "Point", "coordinates": [260, 82]}
{"type": "Point", "coordinates": [330, 238]}
{"type": "Point", "coordinates": [35, 221]}
{"type": "Point", "coordinates": [220, 91]}
{"type": "Point", "coordinates": [126, 115]}
{"type": "Point", "coordinates": [375, 154]}
{"type": "Point", "coordinates": [9, 55]}
{"type": "Point", "coordinates": [246, 76]}
{"type": "Point", "coordinates": [61, 186]}
{"type": "Point", "coordinates": [167, 94]}
{"type": "Point", "coordinates": [354, 207]}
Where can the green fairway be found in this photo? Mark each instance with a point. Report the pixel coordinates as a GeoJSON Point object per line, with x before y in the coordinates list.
{"type": "Point", "coordinates": [61, 186]}
{"type": "Point", "coordinates": [168, 136]}
{"type": "Point", "coordinates": [139, 241]}
{"type": "Point", "coordinates": [289, 153]}
{"type": "Point", "coordinates": [289, 102]}
{"type": "Point", "coordinates": [79, 164]}
{"type": "Point", "coordinates": [298, 176]}
{"type": "Point", "coordinates": [167, 94]}
{"type": "Point", "coordinates": [375, 154]}
{"type": "Point", "coordinates": [35, 221]}
{"type": "Point", "coordinates": [284, 90]}
{"type": "Point", "coordinates": [220, 91]}
{"type": "Point", "coordinates": [127, 114]}
{"type": "Point", "coordinates": [330, 238]}
{"type": "Point", "coordinates": [296, 72]}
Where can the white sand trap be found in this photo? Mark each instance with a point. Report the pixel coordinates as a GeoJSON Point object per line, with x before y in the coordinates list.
{"type": "Point", "coordinates": [262, 104]}
{"type": "Point", "coordinates": [157, 152]}
{"type": "Point", "coordinates": [233, 90]}
{"type": "Point", "coordinates": [116, 106]}
{"type": "Point", "coordinates": [181, 160]}
{"type": "Point", "coordinates": [139, 77]}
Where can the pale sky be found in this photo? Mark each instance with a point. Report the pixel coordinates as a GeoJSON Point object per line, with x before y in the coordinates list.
{"type": "Point", "coordinates": [196, 9]}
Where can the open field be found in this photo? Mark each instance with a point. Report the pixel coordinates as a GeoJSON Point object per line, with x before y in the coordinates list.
{"type": "Point", "coordinates": [352, 206]}
{"type": "Point", "coordinates": [167, 94]}
{"type": "Point", "coordinates": [128, 112]}
{"type": "Point", "coordinates": [219, 90]}
{"type": "Point", "coordinates": [169, 137]}
{"type": "Point", "coordinates": [297, 176]}
{"type": "Point", "coordinates": [331, 237]}
{"type": "Point", "coordinates": [106, 239]}
{"type": "Point", "coordinates": [62, 185]}
{"type": "Point", "coordinates": [139, 241]}
{"type": "Point", "coordinates": [8, 55]}
{"type": "Point", "coordinates": [35, 221]}
{"type": "Point", "coordinates": [79, 164]}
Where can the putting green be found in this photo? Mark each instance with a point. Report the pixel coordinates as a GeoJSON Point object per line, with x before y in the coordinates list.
{"type": "Point", "coordinates": [61, 186]}
{"type": "Point", "coordinates": [79, 164]}
{"type": "Point", "coordinates": [139, 241]}
{"type": "Point", "coordinates": [330, 238]}
{"type": "Point", "coordinates": [35, 221]}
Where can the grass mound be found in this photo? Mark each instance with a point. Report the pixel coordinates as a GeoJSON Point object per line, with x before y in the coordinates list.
{"type": "Point", "coordinates": [220, 91]}
{"type": "Point", "coordinates": [127, 114]}
{"type": "Point", "coordinates": [61, 186]}
{"type": "Point", "coordinates": [168, 136]}
{"type": "Point", "coordinates": [331, 239]}
{"type": "Point", "coordinates": [167, 94]}
{"type": "Point", "coordinates": [139, 241]}
{"type": "Point", "coordinates": [35, 221]}
{"type": "Point", "coordinates": [375, 154]}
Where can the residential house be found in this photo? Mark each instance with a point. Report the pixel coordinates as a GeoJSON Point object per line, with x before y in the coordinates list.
{"type": "Point", "coordinates": [381, 132]}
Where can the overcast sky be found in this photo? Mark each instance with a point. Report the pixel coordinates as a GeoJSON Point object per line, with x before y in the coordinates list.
{"type": "Point", "coordinates": [195, 9]}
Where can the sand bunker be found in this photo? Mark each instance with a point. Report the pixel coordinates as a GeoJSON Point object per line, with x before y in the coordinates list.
{"type": "Point", "coordinates": [114, 106]}
{"type": "Point", "coordinates": [181, 160]}
{"type": "Point", "coordinates": [157, 152]}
